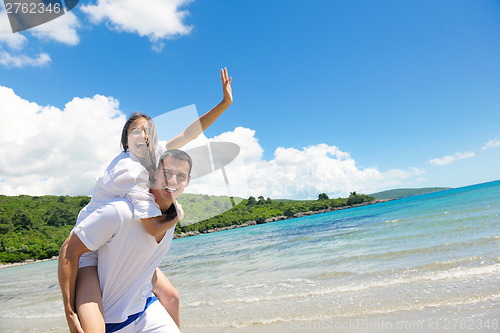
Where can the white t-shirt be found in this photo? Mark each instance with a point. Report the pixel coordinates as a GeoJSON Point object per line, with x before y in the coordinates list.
{"type": "Point", "coordinates": [128, 257]}
{"type": "Point", "coordinates": [124, 177]}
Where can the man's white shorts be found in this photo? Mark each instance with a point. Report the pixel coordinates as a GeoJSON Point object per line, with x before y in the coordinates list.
{"type": "Point", "coordinates": [88, 259]}
{"type": "Point", "coordinates": [154, 320]}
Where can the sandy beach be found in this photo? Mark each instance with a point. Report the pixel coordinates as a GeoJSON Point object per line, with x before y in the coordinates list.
{"type": "Point", "coordinates": [432, 320]}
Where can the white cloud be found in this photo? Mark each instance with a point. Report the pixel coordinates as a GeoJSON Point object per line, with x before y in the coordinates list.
{"type": "Point", "coordinates": [452, 158]}
{"type": "Point", "coordinates": [12, 45]}
{"type": "Point", "coordinates": [156, 19]}
{"type": "Point", "coordinates": [46, 150]}
{"type": "Point", "coordinates": [293, 173]}
{"type": "Point", "coordinates": [9, 60]}
{"type": "Point", "coordinates": [11, 40]}
{"type": "Point", "coordinates": [494, 143]}
{"type": "Point", "coordinates": [14, 41]}
{"type": "Point", "coordinates": [62, 29]}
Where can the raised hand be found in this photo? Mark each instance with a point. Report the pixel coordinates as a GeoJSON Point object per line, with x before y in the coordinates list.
{"type": "Point", "coordinates": [192, 131]}
{"type": "Point", "coordinates": [226, 86]}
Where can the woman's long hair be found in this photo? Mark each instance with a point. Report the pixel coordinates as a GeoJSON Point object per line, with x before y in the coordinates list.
{"type": "Point", "coordinates": [149, 160]}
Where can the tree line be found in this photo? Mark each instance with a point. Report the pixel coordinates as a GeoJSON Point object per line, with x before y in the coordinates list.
{"type": "Point", "coordinates": [34, 227]}
{"type": "Point", "coordinates": [259, 209]}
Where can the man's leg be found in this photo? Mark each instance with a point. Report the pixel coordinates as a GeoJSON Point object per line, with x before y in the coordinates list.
{"type": "Point", "coordinates": [156, 320]}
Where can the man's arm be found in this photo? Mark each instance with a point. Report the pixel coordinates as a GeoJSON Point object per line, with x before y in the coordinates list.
{"type": "Point", "coordinates": [193, 130]}
{"type": "Point", "coordinates": [69, 255]}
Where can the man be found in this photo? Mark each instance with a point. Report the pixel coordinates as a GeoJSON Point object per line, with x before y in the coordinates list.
{"type": "Point", "coordinates": [128, 255]}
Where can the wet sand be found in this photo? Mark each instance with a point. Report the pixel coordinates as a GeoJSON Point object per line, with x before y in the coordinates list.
{"type": "Point", "coordinates": [482, 317]}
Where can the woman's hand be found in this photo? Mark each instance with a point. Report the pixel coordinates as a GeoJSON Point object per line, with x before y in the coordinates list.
{"type": "Point", "coordinates": [192, 131]}
{"type": "Point", "coordinates": [180, 211]}
{"type": "Point", "coordinates": [74, 323]}
{"type": "Point", "coordinates": [227, 91]}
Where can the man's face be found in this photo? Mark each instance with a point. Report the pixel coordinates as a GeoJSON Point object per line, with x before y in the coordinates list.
{"type": "Point", "coordinates": [170, 180]}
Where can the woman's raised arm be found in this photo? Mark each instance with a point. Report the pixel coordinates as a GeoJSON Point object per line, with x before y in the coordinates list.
{"type": "Point", "coordinates": [198, 126]}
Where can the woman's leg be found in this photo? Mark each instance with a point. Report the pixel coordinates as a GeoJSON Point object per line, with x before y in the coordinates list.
{"type": "Point", "coordinates": [167, 295]}
{"type": "Point", "coordinates": [88, 300]}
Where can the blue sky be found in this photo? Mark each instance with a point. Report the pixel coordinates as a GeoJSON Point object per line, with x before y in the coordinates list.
{"type": "Point", "coordinates": [370, 95]}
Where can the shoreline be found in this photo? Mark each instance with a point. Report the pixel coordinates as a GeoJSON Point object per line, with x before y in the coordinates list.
{"type": "Point", "coordinates": [26, 262]}
{"type": "Point", "coordinates": [439, 319]}
{"type": "Point", "coordinates": [276, 218]}
{"type": "Point", "coordinates": [481, 317]}
{"type": "Point", "coordinates": [234, 226]}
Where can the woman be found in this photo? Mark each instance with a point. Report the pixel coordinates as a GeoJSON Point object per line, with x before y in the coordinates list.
{"type": "Point", "coordinates": [129, 175]}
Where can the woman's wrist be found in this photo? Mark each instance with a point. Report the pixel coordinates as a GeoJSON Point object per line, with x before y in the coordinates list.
{"type": "Point", "coordinates": [170, 213]}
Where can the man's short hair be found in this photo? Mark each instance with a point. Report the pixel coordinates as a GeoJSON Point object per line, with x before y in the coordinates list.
{"type": "Point", "coordinates": [177, 154]}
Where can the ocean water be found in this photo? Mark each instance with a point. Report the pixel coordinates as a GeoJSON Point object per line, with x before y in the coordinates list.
{"type": "Point", "coordinates": [436, 254]}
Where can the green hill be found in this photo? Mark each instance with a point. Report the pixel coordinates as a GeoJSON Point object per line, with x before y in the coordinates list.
{"type": "Point", "coordinates": [200, 207]}
{"type": "Point", "coordinates": [406, 192]}
{"type": "Point", "coordinates": [261, 209]}
{"type": "Point", "coordinates": [34, 227]}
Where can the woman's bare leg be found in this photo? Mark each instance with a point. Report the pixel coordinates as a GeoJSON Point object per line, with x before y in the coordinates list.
{"type": "Point", "coordinates": [167, 295]}
{"type": "Point", "coordinates": [88, 300]}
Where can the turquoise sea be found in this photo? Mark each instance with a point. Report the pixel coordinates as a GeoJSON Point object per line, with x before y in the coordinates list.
{"type": "Point", "coordinates": [424, 263]}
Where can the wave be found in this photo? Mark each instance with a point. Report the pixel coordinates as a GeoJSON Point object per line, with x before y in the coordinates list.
{"type": "Point", "coordinates": [384, 256]}
{"type": "Point", "coordinates": [347, 313]}
{"type": "Point", "coordinates": [453, 302]}
{"type": "Point", "coordinates": [237, 324]}
{"type": "Point", "coordinates": [300, 292]}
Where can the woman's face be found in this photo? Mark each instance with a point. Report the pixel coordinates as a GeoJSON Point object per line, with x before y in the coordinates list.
{"type": "Point", "coordinates": [137, 139]}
